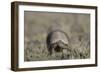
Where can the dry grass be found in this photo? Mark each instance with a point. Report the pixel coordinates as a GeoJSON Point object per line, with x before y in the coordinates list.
{"type": "Point", "coordinates": [39, 24]}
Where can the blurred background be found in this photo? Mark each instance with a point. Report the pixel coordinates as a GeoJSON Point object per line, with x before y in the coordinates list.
{"type": "Point", "coordinates": [37, 25]}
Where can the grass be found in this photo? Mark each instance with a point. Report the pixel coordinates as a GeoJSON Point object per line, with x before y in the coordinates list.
{"type": "Point", "coordinates": [39, 24]}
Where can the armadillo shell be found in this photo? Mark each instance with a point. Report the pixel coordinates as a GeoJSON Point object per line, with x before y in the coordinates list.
{"type": "Point", "coordinates": [57, 36]}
